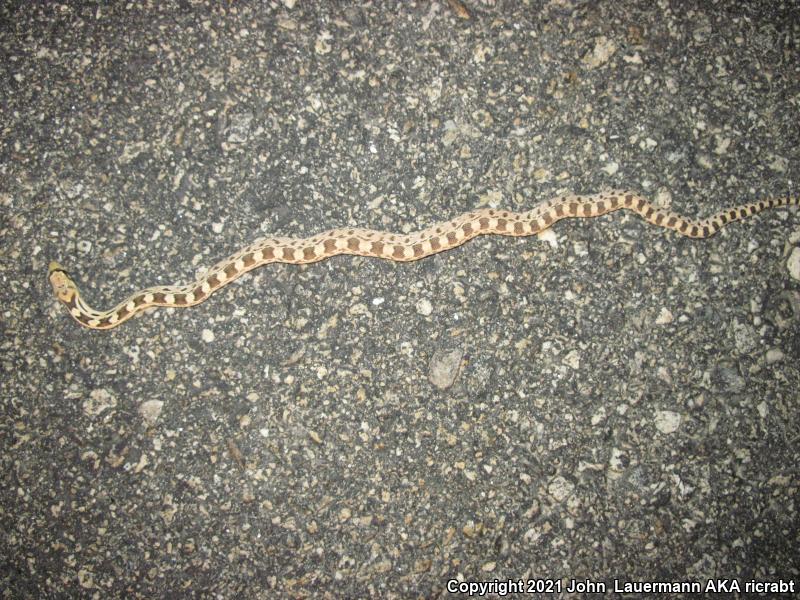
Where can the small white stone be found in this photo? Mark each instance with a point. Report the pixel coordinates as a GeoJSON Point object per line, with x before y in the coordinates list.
{"type": "Point", "coordinates": [98, 401]}
{"type": "Point", "coordinates": [601, 53]}
{"type": "Point", "coordinates": [779, 164]}
{"type": "Point", "coordinates": [611, 167]}
{"type": "Point", "coordinates": [444, 367]}
{"type": "Point", "coordinates": [549, 236]}
{"type": "Point", "coordinates": [321, 46]}
{"type": "Point", "coordinates": [774, 355]}
{"type": "Point", "coordinates": [763, 410]}
{"type": "Point", "coordinates": [208, 336]}
{"type": "Point", "coordinates": [424, 307]}
{"type": "Point", "coordinates": [664, 317]}
{"type": "Point", "coordinates": [572, 359]}
{"type": "Point", "coordinates": [722, 145]}
{"type": "Point", "coordinates": [598, 417]}
{"type": "Point", "coordinates": [667, 421]}
{"type": "Point", "coordinates": [86, 578]}
{"type": "Point", "coordinates": [481, 52]}
{"type": "Point", "coordinates": [793, 264]}
{"type": "Point", "coordinates": [560, 488]}
{"type": "Point", "coordinates": [580, 248]}
{"type": "Point", "coordinates": [150, 411]}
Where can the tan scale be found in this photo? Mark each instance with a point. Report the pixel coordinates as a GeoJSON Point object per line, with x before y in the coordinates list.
{"type": "Point", "coordinates": [396, 247]}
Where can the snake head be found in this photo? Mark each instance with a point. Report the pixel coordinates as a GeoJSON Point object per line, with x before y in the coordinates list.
{"type": "Point", "coordinates": [63, 287]}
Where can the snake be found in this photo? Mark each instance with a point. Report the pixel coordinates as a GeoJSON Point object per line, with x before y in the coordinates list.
{"type": "Point", "coordinates": [394, 247]}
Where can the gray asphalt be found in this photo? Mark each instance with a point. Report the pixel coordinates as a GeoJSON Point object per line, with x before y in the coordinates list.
{"type": "Point", "coordinates": [610, 402]}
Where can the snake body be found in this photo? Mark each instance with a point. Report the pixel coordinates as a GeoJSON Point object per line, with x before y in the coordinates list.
{"type": "Point", "coordinates": [396, 247]}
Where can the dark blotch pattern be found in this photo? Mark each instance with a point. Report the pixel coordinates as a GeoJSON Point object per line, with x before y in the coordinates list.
{"type": "Point", "coordinates": [305, 250]}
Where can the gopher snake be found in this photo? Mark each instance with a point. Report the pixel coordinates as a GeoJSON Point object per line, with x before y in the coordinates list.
{"type": "Point", "coordinates": [380, 244]}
